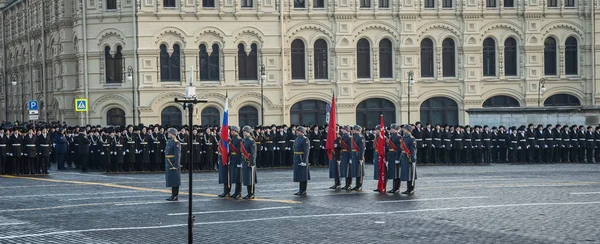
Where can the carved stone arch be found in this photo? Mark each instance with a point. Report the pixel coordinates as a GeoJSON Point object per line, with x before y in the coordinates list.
{"type": "Point", "coordinates": [312, 95]}
{"type": "Point", "coordinates": [564, 24]}
{"type": "Point", "coordinates": [389, 95]}
{"type": "Point", "coordinates": [110, 99]}
{"type": "Point", "coordinates": [533, 40]}
{"type": "Point", "coordinates": [303, 39]}
{"type": "Point", "coordinates": [105, 108]}
{"type": "Point", "coordinates": [443, 37]}
{"type": "Point", "coordinates": [483, 37]}
{"type": "Point", "coordinates": [316, 36]}
{"type": "Point", "coordinates": [162, 99]}
{"type": "Point", "coordinates": [368, 38]}
{"type": "Point", "coordinates": [311, 26]}
{"type": "Point", "coordinates": [170, 35]}
{"type": "Point", "coordinates": [210, 36]}
{"type": "Point", "coordinates": [433, 39]}
{"type": "Point", "coordinates": [516, 94]}
{"type": "Point", "coordinates": [504, 25]}
{"type": "Point", "coordinates": [245, 97]}
{"type": "Point", "coordinates": [565, 90]}
{"type": "Point", "coordinates": [447, 26]}
{"type": "Point", "coordinates": [213, 96]}
{"type": "Point", "coordinates": [110, 37]}
{"type": "Point", "coordinates": [507, 35]}
{"type": "Point", "coordinates": [250, 34]}
{"type": "Point", "coordinates": [385, 35]}
{"type": "Point", "coordinates": [448, 93]}
{"type": "Point", "coordinates": [360, 30]}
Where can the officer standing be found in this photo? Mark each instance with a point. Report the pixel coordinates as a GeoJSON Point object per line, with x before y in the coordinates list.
{"type": "Point", "coordinates": [83, 150]}
{"type": "Point", "coordinates": [30, 152]}
{"type": "Point", "coordinates": [301, 153]}
{"type": "Point", "coordinates": [172, 164]}
{"type": "Point", "coordinates": [269, 147]}
{"type": "Point", "coordinates": [468, 145]}
{"type": "Point", "coordinates": [375, 158]}
{"type": "Point", "coordinates": [223, 170]}
{"type": "Point", "coordinates": [235, 161]}
{"type": "Point", "coordinates": [358, 157]}
{"type": "Point", "coordinates": [346, 156]}
{"type": "Point", "coordinates": [61, 149]}
{"type": "Point", "coordinates": [248, 147]}
{"type": "Point", "coordinates": [408, 160]}
{"type": "Point", "coordinates": [427, 149]}
{"type": "Point", "coordinates": [393, 158]}
{"type": "Point", "coordinates": [334, 164]}
{"type": "Point", "coordinates": [315, 145]}
{"type": "Point", "coordinates": [130, 149]}
{"type": "Point", "coordinates": [531, 144]}
{"type": "Point", "coordinates": [44, 151]}
{"type": "Point", "coordinates": [3, 151]}
{"type": "Point", "coordinates": [417, 133]}
{"type": "Point", "coordinates": [281, 139]}
{"type": "Point", "coordinates": [457, 144]}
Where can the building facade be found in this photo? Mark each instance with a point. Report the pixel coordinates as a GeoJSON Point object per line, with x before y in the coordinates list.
{"type": "Point", "coordinates": [137, 56]}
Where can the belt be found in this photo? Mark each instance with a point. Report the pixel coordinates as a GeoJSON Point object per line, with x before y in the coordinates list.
{"type": "Point", "coordinates": [257, 143]}
{"type": "Point", "coordinates": [590, 140]}
{"type": "Point", "coordinates": [523, 140]}
{"type": "Point", "coordinates": [514, 142]}
{"type": "Point", "coordinates": [131, 142]}
{"type": "Point", "coordinates": [428, 139]}
{"type": "Point", "coordinates": [144, 143]}
{"type": "Point", "coordinates": [567, 140]}
{"type": "Point", "coordinates": [75, 144]}
{"type": "Point", "coordinates": [233, 153]}
{"type": "Point", "coordinates": [502, 139]}
{"type": "Point", "coordinates": [531, 138]}
{"type": "Point", "coordinates": [30, 145]}
{"type": "Point", "coordinates": [549, 139]}
{"type": "Point", "coordinates": [391, 150]}
{"type": "Point", "coordinates": [169, 156]}
{"type": "Point", "coordinates": [156, 142]}
{"type": "Point", "coordinates": [184, 143]}
{"type": "Point", "coordinates": [558, 139]}
{"type": "Point", "coordinates": [2, 145]}
{"type": "Point", "coordinates": [467, 139]}
{"type": "Point", "coordinates": [419, 139]}
{"type": "Point", "coordinates": [582, 139]}
{"type": "Point", "coordinates": [447, 140]}
{"type": "Point", "coordinates": [281, 142]}
{"type": "Point", "coordinates": [438, 139]}
{"type": "Point", "coordinates": [44, 145]}
{"type": "Point", "coordinates": [196, 143]}
{"type": "Point", "coordinates": [269, 142]}
{"type": "Point", "coordinates": [298, 152]}
{"type": "Point", "coordinates": [344, 150]}
{"type": "Point", "coordinates": [119, 145]}
{"type": "Point", "coordinates": [107, 145]}
{"type": "Point", "coordinates": [486, 139]}
{"type": "Point", "coordinates": [292, 141]}
{"type": "Point", "coordinates": [541, 139]}
{"type": "Point", "coordinates": [477, 139]}
{"type": "Point", "coordinates": [210, 144]}
{"type": "Point", "coordinates": [458, 139]}
{"type": "Point", "coordinates": [317, 140]}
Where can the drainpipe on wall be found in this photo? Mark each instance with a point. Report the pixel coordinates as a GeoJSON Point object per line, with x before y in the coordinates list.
{"type": "Point", "coordinates": [85, 60]}
{"type": "Point", "coordinates": [135, 59]}
{"type": "Point", "coordinates": [44, 80]}
{"type": "Point", "coordinates": [594, 53]}
{"type": "Point", "coordinates": [282, 37]}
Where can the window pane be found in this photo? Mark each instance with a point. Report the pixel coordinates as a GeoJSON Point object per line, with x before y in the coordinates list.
{"type": "Point", "coordinates": [111, 4]}
{"type": "Point", "coordinates": [365, 3]}
{"type": "Point", "coordinates": [320, 52]}
{"type": "Point", "coordinates": [571, 61]}
{"type": "Point", "coordinates": [550, 56]}
{"type": "Point", "coordinates": [299, 4]}
{"type": "Point", "coordinates": [429, 3]}
{"type": "Point", "coordinates": [490, 3]}
{"type": "Point", "coordinates": [210, 116]}
{"type": "Point", "coordinates": [246, 3]}
{"type": "Point", "coordinates": [242, 75]}
{"type": "Point", "coordinates": [570, 3]}
{"type": "Point", "coordinates": [385, 59]}
{"type": "Point", "coordinates": [169, 3]}
{"type": "Point", "coordinates": [319, 4]}
{"type": "Point", "coordinates": [384, 3]}
{"type": "Point", "coordinates": [448, 58]}
{"type": "Point", "coordinates": [489, 57]}
{"type": "Point", "coordinates": [208, 3]}
{"type": "Point", "coordinates": [510, 57]}
{"type": "Point", "coordinates": [439, 110]}
{"type": "Point", "coordinates": [171, 116]}
{"type": "Point", "coordinates": [426, 58]}
{"type": "Point", "coordinates": [248, 115]}
{"type": "Point", "coordinates": [164, 63]}
{"type": "Point", "coordinates": [297, 53]}
{"type": "Point", "coordinates": [115, 117]}
{"type": "Point", "coordinates": [368, 111]}
{"type": "Point", "coordinates": [308, 112]}
{"type": "Point", "coordinates": [363, 59]}
{"type": "Point", "coordinates": [562, 100]}
{"type": "Point", "coordinates": [447, 4]}
{"type": "Point", "coordinates": [509, 3]}
{"type": "Point", "coordinates": [203, 63]}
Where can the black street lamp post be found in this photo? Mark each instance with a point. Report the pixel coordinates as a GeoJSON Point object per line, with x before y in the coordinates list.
{"type": "Point", "coordinates": [130, 79]}
{"type": "Point", "coordinates": [263, 77]}
{"type": "Point", "coordinates": [411, 81]}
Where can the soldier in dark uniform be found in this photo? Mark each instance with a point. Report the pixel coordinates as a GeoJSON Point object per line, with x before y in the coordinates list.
{"type": "Point", "coordinates": [301, 166]}
{"type": "Point", "coordinates": [163, 138]}
{"type": "Point", "coordinates": [522, 148]}
{"type": "Point", "coordinates": [589, 145]}
{"type": "Point", "coordinates": [269, 147]}
{"type": "Point", "coordinates": [172, 164]}
{"type": "Point", "coordinates": [61, 148]}
{"type": "Point", "coordinates": [393, 158]}
{"type": "Point", "coordinates": [427, 136]}
{"type": "Point", "coordinates": [549, 147]}
{"type": "Point", "coordinates": [437, 144]}
{"type": "Point", "coordinates": [486, 138]}
{"type": "Point", "coordinates": [334, 164]}
{"type": "Point", "coordinates": [182, 137]}
{"type": "Point", "coordinates": [235, 161]}
{"type": "Point", "coordinates": [258, 137]}
{"type": "Point", "coordinates": [224, 169]}
{"type": "Point", "coordinates": [495, 145]}
{"type": "Point", "coordinates": [467, 146]}
{"type": "Point", "coordinates": [448, 138]}
{"type": "Point", "coordinates": [44, 143]}
{"type": "Point", "coordinates": [291, 138]}
{"type": "Point", "coordinates": [155, 149]}
{"type": "Point", "coordinates": [573, 151]}
{"type": "Point", "coordinates": [476, 138]}
{"type": "Point", "coordinates": [597, 140]}
{"type": "Point", "coordinates": [540, 140]}
{"type": "Point", "coordinates": [358, 157]}
{"type": "Point", "coordinates": [3, 151]}
{"type": "Point", "coordinates": [582, 142]}
{"type": "Point", "coordinates": [315, 145]}
{"type": "Point", "coordinates": [30, 152]}
{"type": "Point", "coordinates": [208, 149]}
{"type": "Point", "coordinates": [83, 150]}
{"type": "Point", "coordinates": [196, 149]}
{"type": "Point", "coordinates": [248, 148]}
{"type": "Point", "coordinates": [417, 133]}
{"type": "Point", "coordinates": [558, 143]}
{"type": "Point", "coordinates": [503, 143]}
{"type": "Point", "coordinates": [281, 140]}
{"type": "Point", "coordinates": [566, 144]}
{"type": "Point", "coordinates": [531, 144]}
{"type": "Point", "coordinates": [71, 149]}
{"type": "Point", "coordinates": [346, 156]}
{"type": "Point", "coordinates": [369, 148]}
{"type": "Point", "coordinates": [105, 147]}
{"type": "Point", "coordinates": [408, 160]}
{"type": "Point", "coordinates": [513, 139]}
{"type": "Point", "coordinates": [457, 144]}
{"type": "Point", "coordinates": [130, 148]}
{"type": "Point", "coordinates": [16, 152]}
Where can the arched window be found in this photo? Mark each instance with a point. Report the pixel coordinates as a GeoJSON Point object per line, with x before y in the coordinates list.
{"type": "Point", "coordinates": [209, 64]}
{"type": "Point", "coordinates": [308, 112]}
{"type": "Point", "coordinates": [562, 100]}
{"type": "Point", "coordinates": [448, 58]}
{"type": "Point", "coordinates": [247, 63]}
{"type": "Point", "coordinates": [369, 111]}
{"type": "Point", "coordinates": [363, 59]}
{"type": "Point", "coordinates": [571, 56]}
{"type": "Point", "coordinates": [113, 65]}
{"type": "Point", "coordinates": [248, 115]}
{"type": "Point", "coordinates": [385, 59]}
{"type": "Point", "coordinates": [111, 4]}
{"type": "Point", "coordinates": [320, 52]}
{"type": "Point", "coordinates": [171, 116]}
{"type": "Point", "coordinates": [210, 116]}
{"type": "Point", "coordinates": [550, 56]}
{"type": "Point", "coordinates": [427, 58]}
{"type": "Point", "coordinates": [510, 57]}
{"type": "Point", "coordinates": [298, 64]}
{"type": "Point", "coordinates": [170, 69]}
{"type": "Point", "coordinates": [439, 110]}
{"type": "Point", "coordinates": [489, 57]}
{"type": "Point", "coordinates": [115, 117]}
{"type": "Point", "coordinates": [501, 101]}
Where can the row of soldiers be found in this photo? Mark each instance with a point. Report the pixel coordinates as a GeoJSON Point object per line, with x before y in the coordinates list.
{"type": "Point", "coordinates": [25, 151]}
{"type": "Point", "coordinates": [523, 144]}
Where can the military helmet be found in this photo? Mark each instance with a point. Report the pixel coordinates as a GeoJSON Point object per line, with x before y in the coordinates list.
{"type": "Point", "coordinates": [235, 128]}
{"type": "Point", "coordinates": [172, 131]}
{"type": "Point", "coordinates": [301, 129]}
{"type": "Point", "coordinates": [247, 129]}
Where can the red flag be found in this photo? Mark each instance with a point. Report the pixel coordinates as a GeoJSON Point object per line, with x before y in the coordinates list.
{"type": "Point", "coordinates": [381, 153]}
{"type": "Point", "coordinates": [331, 133]}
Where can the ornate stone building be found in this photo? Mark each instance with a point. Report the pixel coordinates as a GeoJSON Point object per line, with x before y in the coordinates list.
{"type": "Point", "coordinates": [135, 58]}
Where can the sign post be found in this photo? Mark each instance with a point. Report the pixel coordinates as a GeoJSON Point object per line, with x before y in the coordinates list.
{"type": "Point", "coordinates": [81, 105]}
{"type": "Point", "coordinates": [33, 107]}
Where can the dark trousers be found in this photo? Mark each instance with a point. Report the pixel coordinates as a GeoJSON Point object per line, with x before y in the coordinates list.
{"type": "Point", "coordinates": [2, 164]}
{"type": "Point", "coordinates": [447, 153]}
{"type": "Point", "coordinates": [531, 154]}
{"type": "Point", "coordinates": [502, 153]}
{"type": "Point", "coordinates": [83, 162]}
{"type": "Point", "coordinates": [487, 155]}
{"type": "Point", "coordinates": [424, 153]}
{"type": "Point", "coordinates": [457, 156]}
{"type": "Point", "coordinates": [573, 155]}
{"type": "Point", "coordinates": [564, 152]}
{"type": "Point", "coordinates": [45, 163]}
{"type": "Point", "coordinates": [17, 165]}
{"type": "Point", "coordinates": [269, 154]}
{"type": "Point", "coordinates": [557, 154]}
{"type": "Point", "coordinates": [437, 152]}
{"type": "Point", "coordinates": [466, 156]}
{"type": "Point", "coordinates": [589, 155]}
{"type": "Point", "coordinates": [60, 160]}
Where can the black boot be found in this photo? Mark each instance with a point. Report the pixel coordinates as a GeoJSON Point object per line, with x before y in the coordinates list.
{"type": "Point", "coordinates": [337, 184]}
{"type": "Point", "coordinates": [358, 186]}
{"type": "Point", "coordinates": [396, 186]}
{"type": "Point", "coordinates": [226, 190]}
{"type": "Point", "coordinates": [238, 192]}
{"type": "Point", "coordinates": [250, 190]}
{"type": "Point", "coordinates": [409, 188]}
{"type": "Point", "coordinates": [174, 194]}
{"type": "Point", "coordinates": [348, 183]}
{"type": "Point", "coordinates": [302, 191]}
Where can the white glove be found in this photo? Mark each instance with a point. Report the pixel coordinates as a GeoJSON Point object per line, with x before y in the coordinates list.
{"type": "Point", "coordinates": [350, 161]}
{"type": "Point", "coordinates": [360, 162]}
{"type": "Point", "coordinates": [545, 146]}
{"type": "Point", "coordinates": [465, 147]}
{"type": "Point", "coordinates": [443, 146]}
{"type": "Point", "coordinates": [386, 164]}
{"type": "Point", "coordinates": [527, 146]}
{"type": "Point", "coordinates": [335, 145]}
{"type": "Point", "coordinates": [102, 153]}
{"type": "Point", "coordinates": [53, 144]}
{"type": "Point", "coordinates": [537, 146]}
{"type": "Point", "coordinates": [123, 153]}
{"type": "Point", "coordinates": [126, 151]}
{"type": "Point", "coordinates": [239, 165]}
{"type": "Point", "coordinates": [24, 154]}
{"type": "Point", "coordinates": [338, 162]}
{"type": "Point", "coordinates": [397, 162]}
{"type": "Point", "coordinates": [11, 154]}
{"type": "Point", "coordinates": [303, 164]}
{"type": "Point", "coordinates": [519, 148]}
{"type": "Point", "coordinates": [433, 146]}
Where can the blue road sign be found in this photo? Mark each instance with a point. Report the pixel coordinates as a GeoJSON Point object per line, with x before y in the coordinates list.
{"type": "Point", "coordinates": [33, 105]}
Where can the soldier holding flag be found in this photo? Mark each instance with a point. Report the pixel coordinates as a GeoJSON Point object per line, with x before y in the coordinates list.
{"type": "Point", "coordinates": [332, 145]}
{"type": "Point", "coordinates": [408, 160]}
{"type": "Point", "coordinates": [379, 160]}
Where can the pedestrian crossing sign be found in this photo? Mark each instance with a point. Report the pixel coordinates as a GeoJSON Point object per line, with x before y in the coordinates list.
{"type": "Point", "coordinates": [81, 105]}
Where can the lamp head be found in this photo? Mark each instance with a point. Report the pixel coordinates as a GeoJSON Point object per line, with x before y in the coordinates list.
{"type": "Point", "coordinates": [542, 89]}
{"type": "Point", "coordinates": [129, 77]}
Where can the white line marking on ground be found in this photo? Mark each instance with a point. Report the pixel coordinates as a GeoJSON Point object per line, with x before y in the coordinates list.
{"type": "Point", "coordinates": [584, 193]}
{"type": "Point", "coordinates": [432, 199]}
{"type": "Point", "coordinates": [298, 217]}
{"type": "Point", "coordinates": [68, 194]}
{"type": "Point", "coordinates": [16, 223]}
{"type": "Point", "coordinates": [103, 176]}
{"type": "Point", "coordinates": [231, 211]}
{"type": "Point", "coordinates": [114, 197]}
{"type": "Point", "coordinates": [159, 202]}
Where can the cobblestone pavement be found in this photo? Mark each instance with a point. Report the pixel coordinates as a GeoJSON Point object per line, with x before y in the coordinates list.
{"type": "Point", "coordinates": [550, 203]}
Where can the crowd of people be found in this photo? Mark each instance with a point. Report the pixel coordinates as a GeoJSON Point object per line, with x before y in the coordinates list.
{"type": "Point", "coordinates": [30, 148]}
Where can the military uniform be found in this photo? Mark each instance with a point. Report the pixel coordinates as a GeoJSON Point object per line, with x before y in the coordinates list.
{"type": "Point", "coordinates": [393, 160]}
{"type": "Point", "coordinates": [457, 146]}
{"type": "Point", "coordinates": [223, 167]}
{"type": "Point", "coordinates": [44, 149]}
{"type": "Point", "coordinates": [467, 147]}
{"type": "Point", "coordinates": [30, 154]}
{"type": "Point", "coordinates": [408, 162]}
{"type": "Point", "coordinates": [248, 148]}
{"type": "Point", "coordinates": [16, 152]}
{"type": "Point", "coordinates": [334, 164]}
{"type": "Point", "coordinates": [301, 156]}
{"type": "Point", "coordinates": [130, 150]}
{"type": "Point", "coordinates": [358, 158]}
{"type": "Point", "coordinates": [83, 150]}
{"type": "Point", "coordinates": [3, 153]}
{"type": "Point", "coordinates": [105, 152]}
{"type": "Point", "coordinates": [173, 166]}
{"type": "Point", "coordinates": [345, 158]}
{"type": "Point", "coordinates": [281, 139]}
{"type": "Point", "coordinates": [235, 164]}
